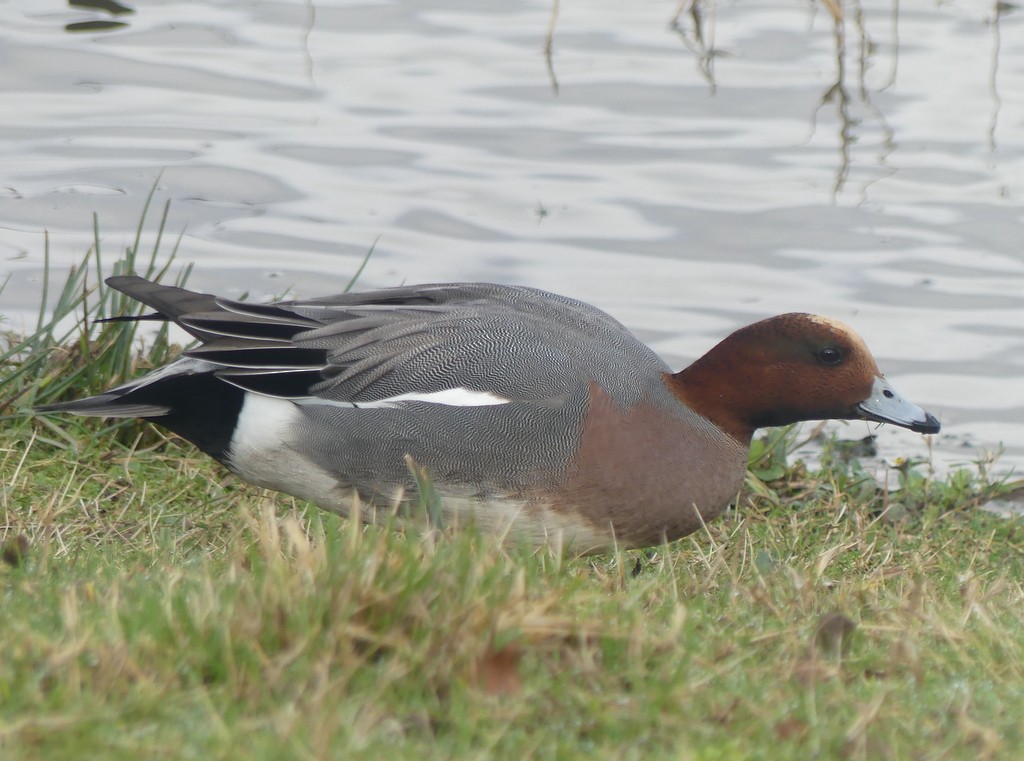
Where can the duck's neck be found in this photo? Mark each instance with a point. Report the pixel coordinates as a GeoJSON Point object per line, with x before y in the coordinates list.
{"type": "Point", "coordinates": [741, 385]}
{"type": "Point", "coordinates": [716, 393]}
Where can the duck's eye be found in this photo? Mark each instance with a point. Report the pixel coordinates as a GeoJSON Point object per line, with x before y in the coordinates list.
{"type": "Point", "coordinates": [830, 355]}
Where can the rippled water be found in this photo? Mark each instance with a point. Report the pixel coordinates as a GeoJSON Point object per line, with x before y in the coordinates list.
{"type": "Point", "coordinates": [688, 180]}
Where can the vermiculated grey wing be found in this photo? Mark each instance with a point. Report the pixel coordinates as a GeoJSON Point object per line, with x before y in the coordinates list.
{"type": "Point", "coordinates": [519, 343]}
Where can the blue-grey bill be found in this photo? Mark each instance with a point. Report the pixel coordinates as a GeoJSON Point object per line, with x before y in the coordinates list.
{"type": "Point", "coordinates": [885, 405]}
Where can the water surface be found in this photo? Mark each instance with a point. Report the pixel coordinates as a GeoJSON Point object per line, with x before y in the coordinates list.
{"type": "Point", "coordinates": [688, 180]}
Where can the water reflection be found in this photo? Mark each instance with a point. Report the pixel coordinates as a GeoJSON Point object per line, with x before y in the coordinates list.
{"type": "Point", "coordinates": [699, 41]}
{"type": "Point", "coordinates": [98, 25]}
{"type": "Point", "coordinates": [549, 43]}
{"type": "Point", "coordinates": [755, 158]}
{"type": "Point", "coordinates": [695, 21]}
{"type": "Point", "coordinates": [1001, 8]}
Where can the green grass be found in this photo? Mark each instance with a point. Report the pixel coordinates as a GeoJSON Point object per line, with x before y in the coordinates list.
{"type": "Point", "coordinates": [153, 607]}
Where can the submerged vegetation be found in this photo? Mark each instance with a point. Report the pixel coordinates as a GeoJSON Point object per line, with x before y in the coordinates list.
{"type": "Point", "coordinates": [155, 607]}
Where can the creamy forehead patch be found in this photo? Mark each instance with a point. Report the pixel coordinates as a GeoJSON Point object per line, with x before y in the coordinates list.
{"type": "Point", "coordinates": [843, 328]}
{"type": "Point", "coordinates": [828, 322]}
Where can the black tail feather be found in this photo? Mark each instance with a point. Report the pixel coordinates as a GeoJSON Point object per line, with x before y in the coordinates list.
{"type": "Point", "coordinates": [192, 402]}
{"type": "Point", "coordinates": [169, 301]}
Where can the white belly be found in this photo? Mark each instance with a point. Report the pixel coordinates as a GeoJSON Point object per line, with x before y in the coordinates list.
{"type": "Point", "coordinates": [263, 454]}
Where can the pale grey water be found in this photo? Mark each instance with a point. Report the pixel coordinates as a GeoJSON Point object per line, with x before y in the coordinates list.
{"type": "Point", "coordinates": [291, 136]}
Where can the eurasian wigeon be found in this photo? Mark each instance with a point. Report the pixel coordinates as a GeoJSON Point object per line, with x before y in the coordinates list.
{"type": "Point", "coordinates": [529, 411]}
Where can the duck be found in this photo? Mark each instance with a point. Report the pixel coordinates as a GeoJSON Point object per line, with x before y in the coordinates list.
{"type": "Point", "coordinates": [530, 414]}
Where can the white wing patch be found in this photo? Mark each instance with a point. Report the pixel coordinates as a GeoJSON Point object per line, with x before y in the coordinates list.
{"type": "Point", "coordinates": [451, 397]}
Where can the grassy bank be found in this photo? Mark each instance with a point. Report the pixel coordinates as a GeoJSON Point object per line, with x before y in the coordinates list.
{"type": "Point", "coordinates": [154, 607]}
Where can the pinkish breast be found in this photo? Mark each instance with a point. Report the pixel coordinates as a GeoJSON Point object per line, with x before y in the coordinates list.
{"type": "Point", "coordinates": [648, 470]}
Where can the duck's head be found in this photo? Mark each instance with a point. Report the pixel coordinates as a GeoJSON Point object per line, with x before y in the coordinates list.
{"type": "Point", "coordinates": [790, 368]}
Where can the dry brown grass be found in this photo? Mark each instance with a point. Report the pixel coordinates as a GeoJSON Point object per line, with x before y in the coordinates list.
{"type": "Point", "coordinates": [161, 610]}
